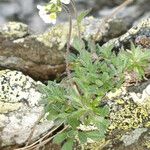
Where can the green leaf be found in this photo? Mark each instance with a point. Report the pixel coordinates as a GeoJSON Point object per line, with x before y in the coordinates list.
{"type": "Point", "coordinates": [78, 113]}
{"type": "Point", "coordinates": [102, 125]}
{"type": "Point", "coordinates": [72, 133]}
{"type": "Point", "coordinates": [95, 135]}
{"type": "Point", "coordinates": [68, 145]}
{"type": "Point", "coordinates": [78, 99]}
{"type": "Point", "coordinates": [78, 44]}
{"type": "Point", "coordinates": [82, 15]}
{"type": "Point", "coordinates": [103, 111]}
{"type": "Point", "coordinates": [59, 138]}
{"type": "Point", "coordinates": [82, 137]}
{"type": "Point", "coordinates": [73, 122]}
{"type": "Point", "coordinates": [91, 46]}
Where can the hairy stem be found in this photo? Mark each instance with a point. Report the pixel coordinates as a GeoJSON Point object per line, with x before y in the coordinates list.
{"type": "Point", "coordinates": [41, 140]}
{"type": "Point", "coordinates": [68, 40]}
{"type": "Point", "coordinates": [76, 17]}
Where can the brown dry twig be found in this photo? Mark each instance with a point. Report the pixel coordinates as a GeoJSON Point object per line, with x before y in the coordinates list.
{"type": "Point", "coordinates": [39, 141]}
{"type": "Point", "coordinates": [33, 128]}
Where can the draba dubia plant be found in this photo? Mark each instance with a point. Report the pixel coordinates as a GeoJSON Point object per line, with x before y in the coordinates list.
{"type": "Point", "coordinates": [76, 101]}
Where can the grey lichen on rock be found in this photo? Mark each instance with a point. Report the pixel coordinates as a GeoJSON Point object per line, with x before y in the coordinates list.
{"type": "Point", "coordinates": [14, 30]}
{"type": "Point", "coordinates": [129, 119]}
{"type": "Point", "coordinates": [20, 108]}
{"type": "Point", "coordinates": [140, 29]}
{"type": "Point", "coordinates": [107, 30]}
{"type": "Point", "coordinates": [17, 88]}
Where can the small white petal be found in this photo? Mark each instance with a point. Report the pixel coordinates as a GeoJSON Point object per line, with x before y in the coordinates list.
{"type": "Point", "coordinates": [54, 1]}
{"type": "Point", "coordinates": [46, 18]}
{"type": "Point", "coordinates": [65, 1]}
{"type": "Point", "coordinates": [40, 7]}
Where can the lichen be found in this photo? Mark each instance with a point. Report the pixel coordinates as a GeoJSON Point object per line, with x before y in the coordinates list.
{"type": "Point", "coordinates": [144, 24]}
{"type": "Point", "coordinates": [14, 30]}
{"type": "Point", "coordinates": [16, 90]}
{"type": "Point", "coordinates": [141, 29]}
{"type": "Point", "coordinates": [8, 107]}
{"type": "Point", "coordinates": [99, 145]}
{"type": "Point", "coordinates": [128, 115]}
{"type": "Point", "coordinates": [147, 144]}
{"type": "Point", "coordinates": [57, 36]}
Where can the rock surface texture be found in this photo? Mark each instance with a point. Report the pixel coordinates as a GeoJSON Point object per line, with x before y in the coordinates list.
{"type": "Point", "coordinates": [20, 109]}
{"type": "Point", "coordinates": [42, 56]}
{"type": "Point", "coordinates": [138, 34]}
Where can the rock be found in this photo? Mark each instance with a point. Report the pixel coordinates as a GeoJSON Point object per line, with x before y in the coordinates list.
{"type": "Point", "coordinates": [20, 108]}
{"type": "Point", "coordinates": [125, 13]}
{"type": "Point", "coordinates": [42, 56]}
{"type": "Point", "coordinates": [14, 30]}
{"type": "Point", "coordinates": [29, 54]}
{"type": "Point", "coordinates": [111, 3]}
{"type": "Point", "coordinates": [137, 8]}
{"type": "Point", "coordinates": [142, 97]}
{"type": "Point", "coordinates": [133, 136]}
{"type": "Point", "coordinates": [129, 119]}
{"type": "Point", "coordinates": [136, 35]}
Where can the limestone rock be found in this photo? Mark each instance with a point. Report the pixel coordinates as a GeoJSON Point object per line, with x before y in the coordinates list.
{"type": "Point", "coordinates": [20, 108]}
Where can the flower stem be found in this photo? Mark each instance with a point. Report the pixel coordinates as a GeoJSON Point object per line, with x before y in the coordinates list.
{"type": "Point", "coordinates": [68, 40]}
{"type": "Point", "coordinates": [76, 17]}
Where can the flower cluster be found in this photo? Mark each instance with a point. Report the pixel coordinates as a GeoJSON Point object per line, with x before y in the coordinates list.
{"type": "Point", "coordinates": [49, 12]}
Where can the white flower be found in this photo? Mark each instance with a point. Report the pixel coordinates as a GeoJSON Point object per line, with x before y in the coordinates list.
{"type": "Point", "coordinates": [62, 1]}
{"type": "Point", "coordinates": [54, 1]}
{"type": "Point", "coordinates": [65, 1]}
{"type": "Point", "coordinates": [47, 18]}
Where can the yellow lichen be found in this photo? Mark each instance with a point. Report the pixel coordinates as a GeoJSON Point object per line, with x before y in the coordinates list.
{"type": "Point", "coordinates": [14, 30]}
{"type": "Point", "coordinates": [129, 116]}
{"type": "Point", "coordinates": [8, 107]}
{"type": "Point", "coordinates": [147, 144]}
